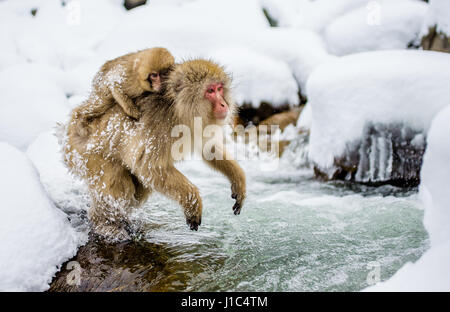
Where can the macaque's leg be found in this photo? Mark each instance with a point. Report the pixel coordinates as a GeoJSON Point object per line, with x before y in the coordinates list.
{"type": "Point", "coordinates": [173, 184]}
{"type": "Point", "coordinates": [127, 104]}
{"type": "Point", "coordinates": [236, 176]}
{"type": "Point", "coordinates": [113, 194]}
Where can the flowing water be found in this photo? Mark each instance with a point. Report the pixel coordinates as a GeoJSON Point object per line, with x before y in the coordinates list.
{"type": "Point", "coordinates": [294, 233]}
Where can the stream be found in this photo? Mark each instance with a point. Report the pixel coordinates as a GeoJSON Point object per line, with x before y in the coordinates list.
{"type": "Point", "coordinates": [295, 233]}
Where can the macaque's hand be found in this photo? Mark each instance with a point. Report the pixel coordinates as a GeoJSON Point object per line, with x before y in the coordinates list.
{"type": "Point", "coordinates": [238, 193]}
{"type": "Point", "coordinates": [194, 221]}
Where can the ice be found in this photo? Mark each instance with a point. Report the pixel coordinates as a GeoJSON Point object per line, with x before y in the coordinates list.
{"type": "Point", "coordinates": [373, 87]}
{"type": "Point", "coordinates": [432, 271]}
{"type": "Point", "coordinates": [36, 237]}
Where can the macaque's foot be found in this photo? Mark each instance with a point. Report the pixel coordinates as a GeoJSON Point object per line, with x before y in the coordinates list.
{"type": "Point", "coordinates": [134, 113]}
{"type": "Point", "coordinates": [194, 222]}
{"type": "Point", "coordinates": [237, 205]}
{"type": "Point", "coordinates": [239, 197]}
{"type": "Point", "coordinates": [112, 233]}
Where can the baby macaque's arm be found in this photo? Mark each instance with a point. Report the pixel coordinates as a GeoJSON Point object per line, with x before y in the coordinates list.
{"type": "Point", "coordinates": [125, 102]}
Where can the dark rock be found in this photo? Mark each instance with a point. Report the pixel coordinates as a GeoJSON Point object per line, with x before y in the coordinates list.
{"type": "Point", "coordinates": [387, 154]}
{"type": "Point", "coordinates": [250, 115]}
{"type": "Point", "coordinates": [131, 4]}
{"type": "Point", "coordinates": [129, 266]}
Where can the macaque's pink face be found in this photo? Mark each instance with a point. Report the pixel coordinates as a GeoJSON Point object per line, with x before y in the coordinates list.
{"type": "Point", "coordinates": [214, 94]}
{"type": "Point", "coordinates": [155, 81]}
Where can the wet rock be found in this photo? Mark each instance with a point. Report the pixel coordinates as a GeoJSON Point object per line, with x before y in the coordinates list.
{"type": "Point", "coordinates": [129, 266]}
{"type": "Point", "coordinates": [387, 154]}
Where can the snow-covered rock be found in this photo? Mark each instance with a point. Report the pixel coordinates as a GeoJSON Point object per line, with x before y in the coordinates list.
{"type": "Point", "coordinates": [436, 29]}
{"type": "Point", "coordinates": [35, 236]}
{"type": "Point", "coordinates": [374, 90]}
{"type": "Point", "coordinates": [432, 271]}
{"type": "Point", "coordinates": [388, 25]}
{"type": "Point", "coordinates": [32, 101]}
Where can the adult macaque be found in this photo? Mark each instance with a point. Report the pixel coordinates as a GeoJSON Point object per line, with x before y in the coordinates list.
{"type": "Point", "coordinates": [123, 161]}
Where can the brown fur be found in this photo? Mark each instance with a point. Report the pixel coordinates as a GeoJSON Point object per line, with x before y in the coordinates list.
{"type": "Point", "coordinates": [123, 161]}
{"type": "Point", "coordinates": [120, 81]}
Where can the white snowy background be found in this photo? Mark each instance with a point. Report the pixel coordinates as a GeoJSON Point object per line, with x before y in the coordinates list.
{"type": "Point", "coordinates": [47, 62]}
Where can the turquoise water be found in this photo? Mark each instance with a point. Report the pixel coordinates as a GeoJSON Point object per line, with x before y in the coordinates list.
{"type": "Point", "coordinates": [294, 233]}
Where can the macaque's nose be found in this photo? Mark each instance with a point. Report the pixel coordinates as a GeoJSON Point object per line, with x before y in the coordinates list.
{"type": "Point", "coordinates": [220, 109]}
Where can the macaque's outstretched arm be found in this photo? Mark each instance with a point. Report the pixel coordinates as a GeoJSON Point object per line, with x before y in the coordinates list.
{"type": "Point", "coordinates": [173, 184]}
{"type": "Point", "coordinates": [231, 169]}
{"type": "Point", "coordinates": [127, 104]}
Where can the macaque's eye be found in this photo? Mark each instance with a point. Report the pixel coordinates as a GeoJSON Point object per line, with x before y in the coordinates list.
{"type": "Point", "coordinates": [210, 90]}
{"type": "Point", "coordinates": [219, 89]}
{"type": "Point", "coordinates": [154, 75]}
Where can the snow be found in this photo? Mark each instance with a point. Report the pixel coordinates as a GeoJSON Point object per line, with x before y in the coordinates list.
{"type": "Point", "coordinates": [68, 193]}
{"type": "Point", "coordinates": [388, 25]}
{"type": "Point", "coordinates": [30, 102]}
{"type": "Point", "coordinates": [376, 87]}
{"type": "Point", "coordinates": [438, 14]}
{"type": "Point", "coordinates": [36, 237]}
{"type": "Point", "coordinates": [314, 15]}
{"type": "Point", "coordinates": [254, 83]}
{"type": "Point", "coordinates": [432, 271]}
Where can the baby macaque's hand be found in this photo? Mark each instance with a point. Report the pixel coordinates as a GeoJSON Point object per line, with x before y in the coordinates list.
{"type": "Point", "coordinates": [134, 113]}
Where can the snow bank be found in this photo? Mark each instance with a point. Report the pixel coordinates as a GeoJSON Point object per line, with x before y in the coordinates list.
{"type": "Point", "coordinates": [438, 14]}
{"type": "Point", "coordinates": [314, 15]}
{"type": "Point", "coordinates": [254, 82]}
{"type": "Point", "coordinates": [404, 87]}
{"type": "Point", "coordinates": [68, 193]}
{"type": "Point", "coordinates": [383, 25]}
{"type": "Point", "coordinates": [36, 237]}
{"type": "Point", "coordinates": [57, 35]}
{"type": "Point", "coordinates": [432, 271]}
{"type": "Point", "coordinates": [30, 102]}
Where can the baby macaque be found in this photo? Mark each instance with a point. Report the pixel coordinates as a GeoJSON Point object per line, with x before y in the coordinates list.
{"type": "Point", "coordinates": [121, 80]}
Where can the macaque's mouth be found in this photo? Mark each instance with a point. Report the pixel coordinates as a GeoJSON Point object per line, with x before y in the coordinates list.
{"type": "Point", "coordinates": [221, 114]}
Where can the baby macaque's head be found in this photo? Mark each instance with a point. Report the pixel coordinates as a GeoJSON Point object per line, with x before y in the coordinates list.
{"type": "Point", "coordinates": [151, 65]}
